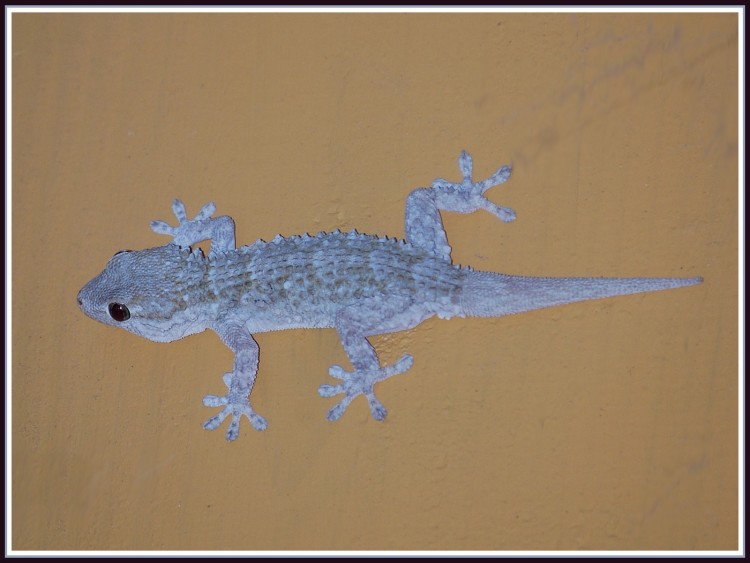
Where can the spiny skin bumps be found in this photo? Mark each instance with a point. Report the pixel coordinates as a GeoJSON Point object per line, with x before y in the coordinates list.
{"type": "Point", "coordinates": [360, 285]}
{"type": "Point", "coordinates": [303, 281]}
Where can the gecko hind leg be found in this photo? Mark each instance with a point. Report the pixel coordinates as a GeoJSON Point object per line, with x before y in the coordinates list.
{"type": "Point", "coordinates": [361, 382]}
{"type": "Point", "coordinates": [354, 324]}
{"type": "Point", "coordinates": [424, 226]}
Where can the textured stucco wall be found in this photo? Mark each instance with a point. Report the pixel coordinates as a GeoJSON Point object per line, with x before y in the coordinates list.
{"type": "Point", "coordinates": [608, 424]}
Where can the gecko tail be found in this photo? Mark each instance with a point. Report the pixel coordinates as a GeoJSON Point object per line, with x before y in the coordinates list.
{"type": "Point", "coordinates": [488, 294]}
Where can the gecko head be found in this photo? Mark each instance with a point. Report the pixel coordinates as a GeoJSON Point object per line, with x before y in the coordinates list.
{"type": "Point", "coordinates": [144, 292]}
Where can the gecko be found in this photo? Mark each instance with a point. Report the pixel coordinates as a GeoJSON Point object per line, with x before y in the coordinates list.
{"type": "Point", "coordinates": [358, 284]}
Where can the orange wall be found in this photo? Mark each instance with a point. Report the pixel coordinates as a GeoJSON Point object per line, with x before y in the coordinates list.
{"type": "Point", "coordinates": [601, 425]}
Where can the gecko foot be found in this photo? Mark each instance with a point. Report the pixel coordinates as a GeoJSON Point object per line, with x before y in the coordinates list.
{"type": "Point", "coordinates": [467, 196]}
{"type": "Point", "coordinates": [361, 383]}
{"type": "Point", "coordinates": [219, 230]}
{"type": "Point", "coordinates": [178, 208]}
{"type": "Point", "coordinates": [236, 403]}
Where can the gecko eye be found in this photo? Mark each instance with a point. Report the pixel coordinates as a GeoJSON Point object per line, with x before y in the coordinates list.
{"type": "Point", "coordinates": [119, 312]}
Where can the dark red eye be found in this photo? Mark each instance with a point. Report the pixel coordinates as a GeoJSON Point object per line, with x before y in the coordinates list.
{"type": "Point", "coordinates": [119, 312]}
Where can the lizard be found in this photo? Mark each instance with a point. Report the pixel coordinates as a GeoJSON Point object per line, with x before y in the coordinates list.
{"type": "Point", "coordinates": [358, 284]}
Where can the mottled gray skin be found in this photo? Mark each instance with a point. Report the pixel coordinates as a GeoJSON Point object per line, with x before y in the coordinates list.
{"type": "Point", "coordinates": [358, 284]}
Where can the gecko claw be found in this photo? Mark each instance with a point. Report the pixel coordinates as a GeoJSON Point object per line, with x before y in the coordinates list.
{"type": "Point", "coordinates": [466, 165]}
{"type": "Point", "coordinates": [377, 409]}
{"type": "Point", "coordinates": [330, 390]}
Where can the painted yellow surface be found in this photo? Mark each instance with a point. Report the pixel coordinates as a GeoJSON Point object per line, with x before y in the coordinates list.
{"type": "Point", "coordinates": [600, 425]}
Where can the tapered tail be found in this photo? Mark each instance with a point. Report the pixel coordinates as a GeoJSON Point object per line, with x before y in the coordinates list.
{"type": "Point", "coordinates": [487, 294]}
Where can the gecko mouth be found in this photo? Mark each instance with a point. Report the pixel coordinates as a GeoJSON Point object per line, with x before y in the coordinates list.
{"type": "Point", "coordinates": [80, 300]}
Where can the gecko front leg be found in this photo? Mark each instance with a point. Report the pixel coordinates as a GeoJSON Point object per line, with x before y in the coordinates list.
{"type": "Point", "coordinates": [218, 230]}
{"type": "Point", "coordinates": [239, 382]}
